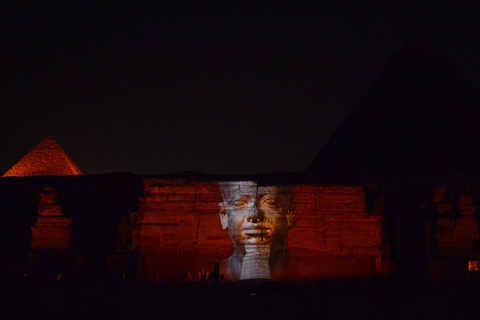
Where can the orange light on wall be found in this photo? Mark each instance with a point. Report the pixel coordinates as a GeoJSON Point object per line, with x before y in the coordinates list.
{"type": "Point", "coordinates": [473, 265]}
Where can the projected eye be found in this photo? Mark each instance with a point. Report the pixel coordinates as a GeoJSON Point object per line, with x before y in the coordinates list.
{"type": "Point", "coordinates": [272, 202]}
{"type": "Point", "coordinates": [239, 203]}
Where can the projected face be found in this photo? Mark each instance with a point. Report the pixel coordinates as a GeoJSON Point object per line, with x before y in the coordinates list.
{"type": "Point", "coordinates": [256, 215]}
{"type": "Point", "coordinates": [258, 219]}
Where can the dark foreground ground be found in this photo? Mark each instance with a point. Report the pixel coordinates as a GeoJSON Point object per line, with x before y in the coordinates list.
{"type": "Point", "coordinates": [28, 299]}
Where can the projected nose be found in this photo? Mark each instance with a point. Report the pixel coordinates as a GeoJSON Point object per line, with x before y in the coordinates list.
{"type": "Point", "coordinates": [255, 215]}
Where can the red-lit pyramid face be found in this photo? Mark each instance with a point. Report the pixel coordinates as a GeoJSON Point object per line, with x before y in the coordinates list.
{"type": "Point", "coordinates": [46, 159]}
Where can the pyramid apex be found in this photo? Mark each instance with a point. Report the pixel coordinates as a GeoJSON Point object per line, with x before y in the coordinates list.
{"type": "Point", "coordinates": [46, 159]}
{"type": "Point", "coordinates": [48, 141]}
{"type": "Point", "coordinates": [420, 115]}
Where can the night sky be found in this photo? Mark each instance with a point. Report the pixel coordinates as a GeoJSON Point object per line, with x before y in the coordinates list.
{"type": "Point", "coordinates": [204, 87]}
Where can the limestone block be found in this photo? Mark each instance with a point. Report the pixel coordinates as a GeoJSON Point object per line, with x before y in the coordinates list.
{"type": "Point", "coordinates": [304, 197]}
{"type": "Point", "coordinates": [56, 238]}
{"type": "Point", "coordinates": [180, 197]}
{"type": "Point", "coordinates": [443, 208]}
{"type": "Point", "coordinates": [167, 205]}
{"type": "Point", "coordinates": [304, 223]}
{"type": "Point", "coordinates": [444, 235]}
{"type": "Point", "coordinates": [361, 250]}
{"type": "Point", "coordinates": [305, 206]}
{"type": "Point", "coordinates": [208, 192]}
{"type": "Point", "coordinates": [339, 194]}
{"type": "Point", "coordinates": [468, 210]}
{"type": "Point", "coordinates": [306, 238]}
{"type": "Point", "coordinates": [53, 221]}
{"type": "Point", "coordinates": [53, 244]}
{"type": "Point", "coordinates": [344, 208]}
{"type": "Point", "coordinates": [305, 188]}
{"type": "Point", "coordinates": [464, 250]}
{"type": "Point", "coordinates": [466, 229]}
{"type": "Point", "coordinates": [169, 186]}
{"type": "Point", "coordinates": [457, 237]}
{"type": "Point", "coordinates": [465, 199]}
{"type": "Point", "coordinates": [210, 231]}
{"type": "Point", "coordinates": [445, 223]}
{"type": "Point", "coordinates": [439, 194]}
{"type": "Point", "coordinates": [54, 233]}
{"type": "Point", "coordinates": [164, 217]}
{"type": "Point", "coordinates": [51, 210]}
{"type": "Point", "coordinates": [204, 205]}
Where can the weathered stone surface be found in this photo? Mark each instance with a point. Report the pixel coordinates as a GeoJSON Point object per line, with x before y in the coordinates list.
{"type": "Point", "coordinates": [51, 231]}
{"type": "Point", "coordinates": [466, 229]}
{"type": "Point", "coordinates": [465, 202]}
{"type": "Point", "coordinates": [178, 231]}
{"type": "Point", "coordinates": [439, 194]}
{"type": "Point", "coordinates": [445, 224]}
{"type": "Point", "coordinates": [444, 208]}
{"type": "Point", "coordinates": [455, 236]}
{"type": "Point", "coordinates": [48, 205]}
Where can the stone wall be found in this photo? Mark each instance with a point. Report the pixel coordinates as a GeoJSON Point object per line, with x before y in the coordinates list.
{"type": "Point", "coordinates": [452, 233]}
{"type": "Point", "coordinates": [334, 236]}
{"type": "Point", "coordinates": [51, 231]}
{"type": "Point", "coordinates": [177, 230]}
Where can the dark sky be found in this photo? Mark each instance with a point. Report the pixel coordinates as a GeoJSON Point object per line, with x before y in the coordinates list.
{"type": "Point", "coordinates": [204, 87]}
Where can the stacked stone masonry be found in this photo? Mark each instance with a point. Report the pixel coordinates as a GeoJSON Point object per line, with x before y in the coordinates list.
{"type": "Point", "coordinates": [177, 230]}
{"type": "Point", "coordinates": [51, 231]}
{"type": "Point", "coordinates": [46, 159]}
{"type": "Point", "coordinates": [452, 235]}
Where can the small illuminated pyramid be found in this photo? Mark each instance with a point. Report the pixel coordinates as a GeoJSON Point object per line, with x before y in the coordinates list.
{"type": "Point", "coordinates": [46, 159]}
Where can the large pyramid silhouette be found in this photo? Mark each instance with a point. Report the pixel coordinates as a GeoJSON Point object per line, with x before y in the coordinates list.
{"type": "Point", "coordinates": [46, 159]}
{"type": "Point", "coordinates": [419, 116]}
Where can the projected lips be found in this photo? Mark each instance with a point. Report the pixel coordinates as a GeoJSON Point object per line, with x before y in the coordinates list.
{"type": "Point", "coordinates": [257, 232]}
{"type": "Point", "coordinates": [258, 219]}
{"type": "Point", "coordinates": [257, 235]}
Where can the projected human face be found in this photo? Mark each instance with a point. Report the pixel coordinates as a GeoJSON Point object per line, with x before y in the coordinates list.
{"type": "Point", "coordinates": [256, 215]}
